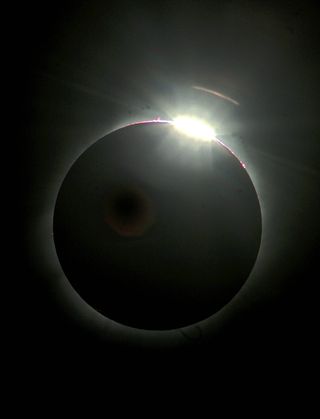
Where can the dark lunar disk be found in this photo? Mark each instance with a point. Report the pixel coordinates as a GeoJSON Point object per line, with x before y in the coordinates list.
{"type": "Point", "coordinates": [156, 230]}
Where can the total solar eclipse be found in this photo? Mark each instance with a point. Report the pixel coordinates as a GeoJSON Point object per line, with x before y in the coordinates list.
{"type": "Point", "coordinates": [156, 229]}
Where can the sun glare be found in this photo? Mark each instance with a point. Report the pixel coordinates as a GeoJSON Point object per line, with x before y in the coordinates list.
{"type": "Point", "coordinates": [195, 128]}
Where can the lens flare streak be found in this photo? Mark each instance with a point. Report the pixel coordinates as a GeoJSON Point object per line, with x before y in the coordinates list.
{"type": "Point", "coordinates": [215, 93]}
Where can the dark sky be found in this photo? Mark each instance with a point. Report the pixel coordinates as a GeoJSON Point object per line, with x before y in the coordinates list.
{"type": "Point", "coordinates": [94, 66]}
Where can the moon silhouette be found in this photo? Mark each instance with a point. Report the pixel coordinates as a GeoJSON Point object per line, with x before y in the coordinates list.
{"type": "Point", "coordinates": [154, 230]}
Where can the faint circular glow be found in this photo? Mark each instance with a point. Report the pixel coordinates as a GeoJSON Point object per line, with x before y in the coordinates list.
{"type": "Point", "coordinates": [194, 127]}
